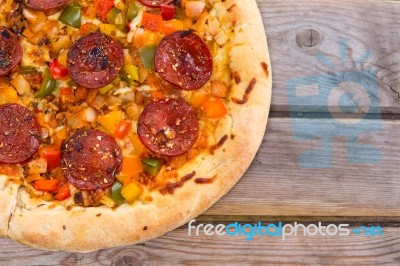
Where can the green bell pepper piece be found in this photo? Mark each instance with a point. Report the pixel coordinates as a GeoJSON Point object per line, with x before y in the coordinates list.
{"type": "Point", "coordinates": [72, 16]}
{"type": "Point", "coordinates": [147, 54]}
{"type": "Point", "coordinates": [26, 70]}
{"type": "Point", "coordinates": [116, 193]}
{"type": "Point", "coordinates": [130, 74]}
{"type": "Point", "coordinates": [109, 87]}
{"type": "Point", "coordinates": [132, 12]}
{"type": "Point", "coordinates": [112, 15]}
{"type": "Point", "coordinates": [48, 85]}
{"type": "Point", "coordinates": [117, 18]}
{"type": "Point", "coordinates": [151, 166]}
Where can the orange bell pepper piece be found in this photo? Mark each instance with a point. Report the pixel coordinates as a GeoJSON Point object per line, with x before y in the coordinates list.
{"type": "Point", "coordinates": [131, 165]}
{"type": "Point", "coordinates": [171, 26]}
{"type": "Point", "coordinates": [214, 108]}
{"type": "Point", "coordinates": [152, 22]}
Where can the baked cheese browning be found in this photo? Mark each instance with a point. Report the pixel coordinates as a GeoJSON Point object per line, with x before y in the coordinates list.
{"type": "Point", "coordinates": [265, 68]}
{"type": "Point", "coordinates": [203, 180]}
{"type": "Point", "coordinates": [219, 144]}
{"type": "Point", "coordinates": [10, 51]}
{"type": "Point", "coordinates": [170, 187]}
{"type": "Point", "coordinates": [95, 60]}
{"type": "Point", "coordinates": [19, 134]}
{"type": "Point", "coordinates": [91, 159]}
{"type": "Point", "coordinates": [168, 127]}
{"type": "Point", "coordinates": [183, 59]}
{"type": "Point", "coordinates": [236, 76]}
{"type": "Point", "coordinates": [246, 93]}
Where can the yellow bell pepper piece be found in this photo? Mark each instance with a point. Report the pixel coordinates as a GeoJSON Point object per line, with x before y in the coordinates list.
{"type": "Point", "coordinates": [131, 192]}
{"type": "Point", "coordinates": [8, 94]}
{"type": "Point", "coordinates": [110, 121]}
{"type": "Point", "coordinates": [108, 29]}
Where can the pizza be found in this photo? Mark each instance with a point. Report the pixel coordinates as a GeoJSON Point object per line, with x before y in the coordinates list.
{"type": "Point", "coordinates": [121, 120]}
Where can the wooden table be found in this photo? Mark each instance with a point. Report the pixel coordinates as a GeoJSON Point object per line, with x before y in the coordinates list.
{"type": "Point", "coordinates": [343, 47]}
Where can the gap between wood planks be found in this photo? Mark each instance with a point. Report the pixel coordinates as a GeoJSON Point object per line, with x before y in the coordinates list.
{"type": "Point", "coordinates": [282, 114]}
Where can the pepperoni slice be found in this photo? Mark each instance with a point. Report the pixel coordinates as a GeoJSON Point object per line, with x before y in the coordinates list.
{"type": "Point", "coordinates": [19, 133]}
{"type": "Point", "coordinates": [90, 159]}
{"type": "Point", "coordinates": [10, 51]}
{"type": "Point", "coordinates": [183, 59]}
{"type": "Point", "coordinates": [95, 60]}
{"type": "Point", "coordinates": [155, 3]}
{"type": "Point", "coordinates": [46, 5]}
{"type": "Point", "coordinates": [168, 127]}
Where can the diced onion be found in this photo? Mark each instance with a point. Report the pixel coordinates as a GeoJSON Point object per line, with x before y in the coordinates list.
{"type": "Point", "coordinates": [21, 85]}
{"type": "Point", "coordinates": [37, 19]}
{"type": "Point", "coordinates": [221, 38]}
{"type": "Point", "coordinates": [44, 133]}
{"type": "Point", "coordinates": [89, 114]}
{"type": "Point", "coordinates": [194, 9]}
{"type": "Point", "coordinates": [38, 166]}
{"type": "Point", "coordinates": [112, 100]}
{"type": "Point", "coordinates": [75, 122]}
{"type": "Point", "coordinates": [99, 101]}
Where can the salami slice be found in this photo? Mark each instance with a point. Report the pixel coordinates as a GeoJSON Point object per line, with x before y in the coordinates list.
{"type": "Point", "coordinates": [90, 159]}
{"type": "Point", "coordinates": [183, 59]}
{"type": "Point", "coordinates": [46, 5]}
{"type": "Point", "coordinates": [155, 3]}
{"type": "Point", "coordinates": [19, 134]}
{"type": "Point", "coordinates": [168, 127]}
{"type": "Point", "coordinates": [95, 60]}
{"type": "Point", "coordinates": [10, 51]}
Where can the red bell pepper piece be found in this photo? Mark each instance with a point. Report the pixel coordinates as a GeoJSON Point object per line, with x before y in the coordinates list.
{"type": "Point", "coordinates": [168, 12]}
{"type": "Point", "coordinates": [53, 157]}
{"type": "Point", "coordinates": [46, 185]}
{"type": "Point", "coordinates": [103, 7]}
{"type": "Point", "coordinates": [57, 70]}
{"type": "Point", "coordinates": [122, 129]}
{"type": "Point", "coordinates": [62, 192]}
{"type": "Point", "coordinates": [66, 91]}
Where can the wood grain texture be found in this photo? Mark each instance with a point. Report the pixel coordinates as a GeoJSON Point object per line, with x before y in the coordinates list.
{"type": "Point", "coordinates": [276, 184]}
{"type": "Point", "coordinates": [177, 248]}
{"type": "Point", "coordinates": [300, 30]}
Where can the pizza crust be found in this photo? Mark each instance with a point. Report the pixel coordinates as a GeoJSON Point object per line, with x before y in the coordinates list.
{"type": "Point", "coordinates": [46, 225]}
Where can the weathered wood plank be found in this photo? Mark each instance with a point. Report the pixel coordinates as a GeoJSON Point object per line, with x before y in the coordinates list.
{"type": "Point", "coordinates": [277, 183]}
{"type": "Point", "coordinates": [177, 248]}
{"type": "Point", "coordinates": [305, 38]}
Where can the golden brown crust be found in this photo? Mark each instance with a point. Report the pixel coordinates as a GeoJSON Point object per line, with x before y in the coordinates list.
{"type": "Point", "coordinates": [46, 225]}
